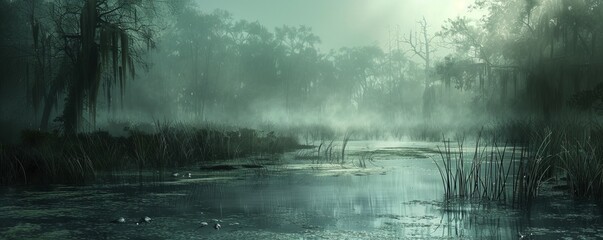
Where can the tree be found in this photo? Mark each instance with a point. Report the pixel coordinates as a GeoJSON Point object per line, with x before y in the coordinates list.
{"type": "Point", "coordinates": [99, 40]}
{"type": "Point", "coordinates": [552, 43]}
{"type": "Point", "coordinates": [203, 41]}
{"type": "Point", "coordinates": [17, 57]}
{"type": "Point", "coordinates": [298, 54]}
{"type": "Point", "coordinates": [358, 71]}
{"type": "Point", "coordinates": [421, 45]}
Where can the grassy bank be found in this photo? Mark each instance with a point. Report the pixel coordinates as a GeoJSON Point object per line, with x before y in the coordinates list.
{"type": "Point", "coordinates": [44, 157]}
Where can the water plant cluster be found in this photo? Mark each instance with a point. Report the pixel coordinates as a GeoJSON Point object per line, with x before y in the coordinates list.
{"type": "Point", "coordinates": [46, 157]}
{"type": "Point", "coordinates": [327, 151]}
{"type": "Point", "coordinates": [510, 162]}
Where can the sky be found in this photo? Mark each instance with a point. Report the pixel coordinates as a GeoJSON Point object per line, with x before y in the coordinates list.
{"type": "Point", "coordinates": [344, 23]}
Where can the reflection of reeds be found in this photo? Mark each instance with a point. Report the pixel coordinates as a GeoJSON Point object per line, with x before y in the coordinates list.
{"type": "Point", "coordinates": [466, 220]}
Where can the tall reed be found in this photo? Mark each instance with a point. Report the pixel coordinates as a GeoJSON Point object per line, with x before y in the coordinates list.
{"type": "Point", "coordinates": [583, 166]}
{"type": "Point", "coordinates": [344, 144]}
{"type": "Point", "coordinates": [485, 176]}
{"type": "Point", "coordinates": [534, 165]}
{"type": "Point", "coordinates": [49, 157]}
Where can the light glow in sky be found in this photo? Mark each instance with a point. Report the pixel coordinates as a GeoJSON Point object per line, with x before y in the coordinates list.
{"type": "Point", "coordinates": [344, 23]}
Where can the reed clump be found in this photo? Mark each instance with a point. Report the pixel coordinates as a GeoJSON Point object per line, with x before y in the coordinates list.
{"type": "Point", "coordinates": [327, 151]}
{"type": "Point", "coordinates": [566, 149]}
{"type": "Point", "coordinates": [44, 157]}
{"type": "Point", "coordinates": [484, 175]}
{"type": "Point", "coordinates": [533, 153]}
{"type": "Point", "coordinates": [582, 166]}
{"type": "Point", "coordinates": [493, 171]}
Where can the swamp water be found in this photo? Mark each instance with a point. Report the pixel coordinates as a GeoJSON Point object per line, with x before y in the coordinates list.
{"type": "Point", "coordinates": [398, 196]}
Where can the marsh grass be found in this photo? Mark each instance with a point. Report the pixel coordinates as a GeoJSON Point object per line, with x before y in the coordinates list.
{"type": "Point", "coordinates": [12, 167]}
{"type": "Point", "coordinates": [344, 144]}
{"type": "Point", "coordinates": [494, 171]}
{"type": "Point", "coordinates": [320, 146]}
{"type": "Point", "coordinates": [332, 153]}
{"type": "Point", "coordinates": [533, 153]}
{"type": "Point", "coordinates": [535, 163]}
{"type": "Point", "coordinates": [329, 157]}
{"type": "Point", "coordinates": [484, 176]}
{"type": "Point", "coordinates": [364, 158]}
{"type": "Point", "coordinates": [565, 147]}
{"type": "Point", "coordinates": [327, 151]}
{"type": "Point", "coordinates": [44, 157]}
{"type": "Point", "coordinates": [583, 167]}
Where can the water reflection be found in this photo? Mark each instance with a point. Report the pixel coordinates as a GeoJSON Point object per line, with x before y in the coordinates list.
{"type": "Point", "coordinates": [404, 203]}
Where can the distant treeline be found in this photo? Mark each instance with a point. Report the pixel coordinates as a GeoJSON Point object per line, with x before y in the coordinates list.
{"type": "Point", "coordinates": [69, 61]}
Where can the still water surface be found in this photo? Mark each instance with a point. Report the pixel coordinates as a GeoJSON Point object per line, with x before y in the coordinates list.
{"type": "Point", "coordinates": [398, 196]}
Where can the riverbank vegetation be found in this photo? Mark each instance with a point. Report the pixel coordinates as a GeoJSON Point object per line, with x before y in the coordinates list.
{"type": "Point", "coordinates": [524, 79]}
{"type": "Point", "coordinates": [44, 158]}
{"type": "Point", "coordinates": [513, 161]}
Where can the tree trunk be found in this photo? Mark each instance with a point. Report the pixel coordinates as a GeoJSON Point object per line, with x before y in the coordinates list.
{"type": "Point", "coordinates": [73, 109]}
{"type": "Point", "coordinates": [49, 101]}
{"type": "Point", "coordinates": [87, 71]}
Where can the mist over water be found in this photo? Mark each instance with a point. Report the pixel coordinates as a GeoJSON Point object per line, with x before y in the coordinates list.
{"type": "Point", "coordinates": [235, 63]}
{"type": "Point", "coordinates": [271, 119]}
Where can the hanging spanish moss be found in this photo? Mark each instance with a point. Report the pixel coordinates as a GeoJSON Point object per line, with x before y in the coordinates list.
{"type": "Point", "coordinates": [403, 119]}
{"type": "Point", "coordinates": [103, 46]}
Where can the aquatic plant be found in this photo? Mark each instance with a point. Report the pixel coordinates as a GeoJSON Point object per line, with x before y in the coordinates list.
{"type": "Point", "coordinates": [583, 168]}
{"type": "Point", "coordinates": [49, 157]}
{"type": "Point", "coordinates": [564, 147]}
{"type": "Point", "coordinates": [486, 175]}
{"type": "Point", "coordinates": [346, 139]}
{"type": "Point", "coordinates": [547, 151]}
{"type": "Point", "coordinates": [322, 143]}
{"type": "Point", "coordinates": [534, 165]}
{"type": "Point", "coordinates": [12, 167]}
{"type": "Point", "coordinates": [365, 157]}
{"type": "Point", "coordinates": [328, 152]}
